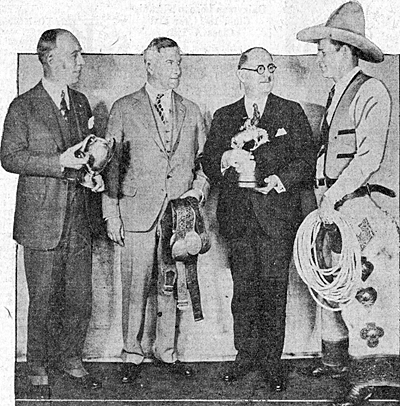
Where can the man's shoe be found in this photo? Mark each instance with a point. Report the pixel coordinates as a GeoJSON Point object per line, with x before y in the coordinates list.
{"type": "Point", "coordinates": [236, 371]}
{"type": "Point", "coordinates": [39, 392]}
{"type": "Point", "coordinates": [276, 379]}
{"type": "Point", "coordinates": [179, 368]}
{"type": "Point", "coordinates": [86, 381]}
{"type": "Point", "coordinates": [356, 396]}
{"type": "Point", "coordinates": [325, 371]}
{"type": "Point", "coordinates": [277, 383]}
{"type": "Point", "coordinates": [129, 373]}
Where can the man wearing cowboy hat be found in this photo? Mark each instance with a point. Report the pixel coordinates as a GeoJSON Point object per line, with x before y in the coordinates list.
{"type": "Point", "coordinates": [354, 135]}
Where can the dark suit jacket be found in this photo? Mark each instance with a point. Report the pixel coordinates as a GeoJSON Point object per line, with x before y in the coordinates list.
{"type": "Point", "coordinates": [34, 136]}
{"type": "Point", "coordinates": [290, 156]}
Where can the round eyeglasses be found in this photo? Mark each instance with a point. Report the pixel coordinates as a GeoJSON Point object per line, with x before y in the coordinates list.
{"type": "Point", "coordinates": [261, 68]}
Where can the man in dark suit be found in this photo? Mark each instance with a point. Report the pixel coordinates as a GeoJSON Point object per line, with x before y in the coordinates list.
{"type": "Point", "coordinates": [259, 217]}
{"type": "Point", "coordinates": [43, 130]}
{"type": "Point", "coordinates": [159, 138]}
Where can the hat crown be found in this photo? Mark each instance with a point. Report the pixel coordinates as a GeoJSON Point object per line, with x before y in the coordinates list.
{"type": "Point", "coordinates": [349, 17]}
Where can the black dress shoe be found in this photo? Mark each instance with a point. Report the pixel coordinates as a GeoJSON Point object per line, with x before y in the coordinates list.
{"type": "Point", "coordinates": [277, 383]}
{"type": "Point", "coordinates": [86, 381]}
{"type": "Point", "coordinates": [356, 396]}
{"type": "Point", "coordinates": [276, 379]}
{"type": "Point", "coordinates": [39, 392]}
{"type": "Point", "coordinates": [325, 371]}
{"type": "Point", "coordinates": [179, 368]}
{"type": "Point", "coordinates": [237, 371]}
{"type": "Point", "coordinates": [129, 373]}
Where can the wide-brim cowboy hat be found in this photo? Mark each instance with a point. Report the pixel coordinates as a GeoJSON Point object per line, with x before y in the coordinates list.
{"type": "Point", "coordinates": [346, 24]}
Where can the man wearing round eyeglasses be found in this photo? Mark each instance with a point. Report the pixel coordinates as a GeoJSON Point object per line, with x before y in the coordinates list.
{"type": "Point", "coordinates": [259, 218]}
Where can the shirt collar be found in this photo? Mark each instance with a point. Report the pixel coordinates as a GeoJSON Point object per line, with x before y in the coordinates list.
{"type": "Point", "coordinates": [54, 90]}
{"type": "Point", "coordinates": [248, 103]}
{"type": "Point", "coordinates": [153, 92]}
{"type": "Point", "coordinates": [342, 84]}
{"type": "Point", "coordinates": [340, 87]}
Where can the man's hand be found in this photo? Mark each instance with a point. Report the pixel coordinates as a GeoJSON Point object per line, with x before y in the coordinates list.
{"type": "Point", "coordinates": [69, 160]}
{"type": "Point", "coordinates": [196, 193]}
{"type": "Point", "coordinates": [115, 230]}
{"type": "Point", "coordinates": [272, 182]}
{"type": "Point", "coordinates": [326, 210]}
{"type": "Point", "coordinates": [237, 158]}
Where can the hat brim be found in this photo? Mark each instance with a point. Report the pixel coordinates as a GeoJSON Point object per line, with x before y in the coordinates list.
{"type": "Point", "coordinates": [369, 51]}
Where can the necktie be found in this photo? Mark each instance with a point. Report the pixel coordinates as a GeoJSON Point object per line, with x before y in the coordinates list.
{"type": "Point", "coordinates": [159, 108]}
{"type": "Point", "coordinates": [63, 106]}
{"type": "Point", "coordinates": [325, 125]}
{"type": "Point", "coordinates": [256, 115]}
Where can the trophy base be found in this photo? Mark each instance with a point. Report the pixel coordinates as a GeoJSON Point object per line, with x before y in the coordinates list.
{"type": "Point", "coordinates": [247, 184]}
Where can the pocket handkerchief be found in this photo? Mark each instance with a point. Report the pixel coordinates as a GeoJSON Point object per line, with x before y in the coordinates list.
{"type": "Point", "coordinates": [281, 131]}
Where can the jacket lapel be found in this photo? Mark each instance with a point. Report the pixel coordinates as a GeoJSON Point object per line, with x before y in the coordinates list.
{"type": "Point", "coordinates": [78, 113]}
{"type": "Point", "coordinates": [146, 114]}
{"type": "Point", "coordinates": [179, 113]}
{"type": "Point", "coordinates": [46, 111]}
{"type": "Point", "coordinates": [270, 115]}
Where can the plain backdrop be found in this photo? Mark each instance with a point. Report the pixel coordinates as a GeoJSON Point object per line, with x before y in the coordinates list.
{"type": "Point", "coordinates": [127, 26]}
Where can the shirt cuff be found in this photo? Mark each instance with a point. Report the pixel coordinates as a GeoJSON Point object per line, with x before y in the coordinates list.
{"type": "Point", "coordinates": [202, 198]}
{"type": "Point", "coordinates": [279, 188]}
{"type": "Point", "coordinates": [110, 217]}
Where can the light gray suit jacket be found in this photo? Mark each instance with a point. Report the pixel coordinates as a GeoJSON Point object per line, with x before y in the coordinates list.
{"type": "Point", "coordinates": [142, 177]}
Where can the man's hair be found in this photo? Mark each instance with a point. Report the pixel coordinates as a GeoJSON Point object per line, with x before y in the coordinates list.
{"type": "Point", "coordinates": [354, 51]}
{"type": "Point", "coordinates": [156, 44]}
{"type": "Point", "coordinates": [245, 56]}
{"type": "Point", "coordinates": [47, 42]}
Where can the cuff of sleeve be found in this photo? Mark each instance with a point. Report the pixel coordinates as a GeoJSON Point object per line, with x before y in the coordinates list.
{"type": "Point", "coordinates": [202, 198]}
{"type": "Point", "coordinates": [110, 217]}
{"type": "Point", "coordinates": [279, 188]}
{"type": "Point", "coordinates": [224, 166]}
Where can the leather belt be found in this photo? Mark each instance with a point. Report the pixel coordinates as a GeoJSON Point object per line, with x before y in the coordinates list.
{"type": "Point", "coordinates": [324, 182]}
{"type": "Point", "coordinates": [365, 190]}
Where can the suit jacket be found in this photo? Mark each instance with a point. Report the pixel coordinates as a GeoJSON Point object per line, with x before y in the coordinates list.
{"type": "Point", "coordinates": [34, 136]}
{"type": "Point", "coordinates": [142, 177]}
{"type": "Point", "coordinates": [290, 155]}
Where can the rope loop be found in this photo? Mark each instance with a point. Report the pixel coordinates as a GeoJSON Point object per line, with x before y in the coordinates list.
{"type": "Point", "coordinates": [338, 284]}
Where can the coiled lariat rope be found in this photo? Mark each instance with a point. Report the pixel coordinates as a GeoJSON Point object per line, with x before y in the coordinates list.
{"type": "Point", "coordinates": [337, 284]}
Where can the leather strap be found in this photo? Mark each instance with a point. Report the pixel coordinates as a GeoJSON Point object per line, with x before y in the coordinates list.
{"type": "Point", "coordinates": [183, 237]}
{"type": "Point", "coordinates": [365, 190]}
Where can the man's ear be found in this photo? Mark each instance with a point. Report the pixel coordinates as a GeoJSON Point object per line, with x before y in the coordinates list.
{"type": "Point", "coordinates": [346, 50]}
{"type": "Point", "coordinates": [50, 58]}
{"type": "Point", "coordinates": [149, 67]}
{"type": "Point", "coordinates": [240, 75]}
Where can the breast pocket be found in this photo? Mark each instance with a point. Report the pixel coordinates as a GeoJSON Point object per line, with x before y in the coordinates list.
{"type": "Point", "coordinates": [346, 143]}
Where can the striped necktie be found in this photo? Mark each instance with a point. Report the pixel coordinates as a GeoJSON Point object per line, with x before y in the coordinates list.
{"type": "Point", "coordinates": [256, 115]}
{"type": "Point", "coordinates": [159, 108]}
{"type": "Point", "coordinates": [63, 106]}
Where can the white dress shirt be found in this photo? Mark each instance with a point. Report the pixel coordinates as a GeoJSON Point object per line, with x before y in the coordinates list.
{"type": "Point", "coordinates": [166, 100]}
{"type": "Point", "coordinates": [248, 103]}
{"type": "Point", "coordinates": [54, 90]}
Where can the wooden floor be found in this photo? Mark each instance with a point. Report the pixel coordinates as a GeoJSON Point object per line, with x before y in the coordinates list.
{"type": "Point", "coordinates": [155, 386]}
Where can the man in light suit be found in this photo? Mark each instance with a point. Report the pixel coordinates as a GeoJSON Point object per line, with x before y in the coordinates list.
{"type": "Point", "coordinates": [43, 129]}
{"type": "Point", "coordinates": [260, 222]}
{"type": "Point", "coordinates": [159, 137]}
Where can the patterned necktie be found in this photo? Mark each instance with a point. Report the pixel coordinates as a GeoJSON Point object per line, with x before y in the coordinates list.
{"type": "Point", "coordinates": [256, 115]}
{"type": "Point", "coordinates": [63, 106]}
{"type": "Point", "coordinates": [159, 108]}
{"type": "Point", "coordinates": [325, 125]}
